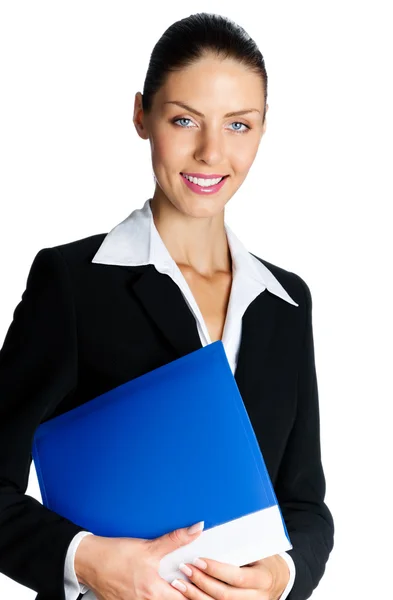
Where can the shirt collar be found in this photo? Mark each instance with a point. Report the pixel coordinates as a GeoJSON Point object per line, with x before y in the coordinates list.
{"type": "Point", "coordinates": [135, 241]}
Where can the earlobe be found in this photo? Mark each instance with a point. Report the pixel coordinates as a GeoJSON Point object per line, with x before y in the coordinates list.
{"type": "Point", "coordinates": [138, 117]}
{"type": "Point", "coordinates": [140, 129]}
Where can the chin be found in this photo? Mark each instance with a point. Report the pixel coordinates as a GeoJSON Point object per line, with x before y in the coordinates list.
{"type": "Point", "coordinates": [201, 207]}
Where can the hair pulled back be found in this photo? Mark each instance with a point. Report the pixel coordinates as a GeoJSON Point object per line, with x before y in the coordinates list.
{"type": "Point", "coordinates": [190, 39]}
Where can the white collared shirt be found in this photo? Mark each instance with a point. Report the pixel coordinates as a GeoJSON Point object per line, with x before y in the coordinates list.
{"type": "Point", "coordinates": [135, 241]}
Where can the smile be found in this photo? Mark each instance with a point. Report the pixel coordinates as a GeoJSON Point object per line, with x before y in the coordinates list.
{"type": "Point", "coordinates": [203, 189]}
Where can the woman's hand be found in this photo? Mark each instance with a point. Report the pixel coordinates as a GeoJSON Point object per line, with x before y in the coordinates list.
{"type": "Point", "coordinates": [265, 579]}
{"type": "Point", "coordinates": [128, 568]}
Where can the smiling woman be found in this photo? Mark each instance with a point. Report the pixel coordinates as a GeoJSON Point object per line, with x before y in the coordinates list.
{"type": "Point", "coordinates": [170, 278]}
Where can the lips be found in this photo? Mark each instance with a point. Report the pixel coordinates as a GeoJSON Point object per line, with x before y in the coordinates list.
{"type": "Point", "coordinates": [209, 190]}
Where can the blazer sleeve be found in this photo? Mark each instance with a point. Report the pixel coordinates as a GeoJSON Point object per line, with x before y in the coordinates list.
{"type": "Point", "coordinates": [38, 369]}
{"type": "Point", "coordinates": [300, 485]}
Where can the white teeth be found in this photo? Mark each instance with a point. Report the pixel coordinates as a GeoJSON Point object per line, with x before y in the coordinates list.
{"type": "Point", "coordinates": [203, 182]}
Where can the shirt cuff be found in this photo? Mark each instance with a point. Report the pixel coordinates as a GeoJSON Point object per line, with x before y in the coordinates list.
{"type": "Point", "coordinates": [292, 573]}
{"type": "Point", "coordinates": [72, 587]}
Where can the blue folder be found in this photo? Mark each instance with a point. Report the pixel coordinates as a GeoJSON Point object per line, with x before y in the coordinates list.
{"type": "Point", "coordinates": [165, 450]}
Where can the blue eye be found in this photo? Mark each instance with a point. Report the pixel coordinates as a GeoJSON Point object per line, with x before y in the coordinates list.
{"type": "Point", "coordinates": [234, 122]}
{"type": "Point", "coordinates": [238, 123]}
{"type": "Point", "coordinates": [182, 119]}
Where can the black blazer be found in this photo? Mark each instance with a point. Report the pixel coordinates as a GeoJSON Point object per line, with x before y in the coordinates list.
{"type": "Point", "coordinates": [82, 328]}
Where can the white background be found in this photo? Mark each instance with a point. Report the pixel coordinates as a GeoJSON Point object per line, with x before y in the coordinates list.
{"type": "Point", "coordinates": [315, 202]}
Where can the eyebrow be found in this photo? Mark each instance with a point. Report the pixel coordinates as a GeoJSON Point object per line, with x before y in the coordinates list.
{"type": "Point", "coordinates": [230, 114]}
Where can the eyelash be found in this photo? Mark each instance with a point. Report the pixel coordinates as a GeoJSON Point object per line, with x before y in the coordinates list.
{"type": "Point", "coordinates": [234, 130]}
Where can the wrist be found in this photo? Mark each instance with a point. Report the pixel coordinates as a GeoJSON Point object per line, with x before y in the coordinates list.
{"type": "Point", "coordinates": [83, 564]}
{"type": "Point", "coordinates": [282, 575]}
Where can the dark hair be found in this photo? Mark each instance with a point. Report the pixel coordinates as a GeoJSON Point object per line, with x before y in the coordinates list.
{"type": "Point", "coordinates": [191, 39]}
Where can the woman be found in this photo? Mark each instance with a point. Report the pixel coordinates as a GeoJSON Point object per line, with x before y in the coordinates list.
{"type": "Point", "coordinates": [170, 278]}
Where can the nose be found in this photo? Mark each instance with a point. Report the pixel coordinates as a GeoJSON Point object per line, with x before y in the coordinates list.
{"type": "Point", "coordinates": [209, 149]}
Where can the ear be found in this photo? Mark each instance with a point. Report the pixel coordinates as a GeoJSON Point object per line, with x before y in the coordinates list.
{"type": "Point", "coordinates": [138, 118]}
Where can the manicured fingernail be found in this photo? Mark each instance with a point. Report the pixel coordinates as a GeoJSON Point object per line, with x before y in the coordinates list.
{"type": "Point", "coordinates": [197, 527]}
{"type": "Point", "coordinates": [184, 569]}
{"type": "Point", "coordinates": [179, 585]}
{"type": "Point", "coordinates": [198, 562]}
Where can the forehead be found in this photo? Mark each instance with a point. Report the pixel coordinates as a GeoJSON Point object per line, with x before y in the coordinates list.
{"type": "Point", "coordinates": [212, 78]}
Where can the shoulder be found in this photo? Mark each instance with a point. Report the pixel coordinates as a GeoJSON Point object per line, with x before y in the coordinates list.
{"type": "Point", "coordinates": [81, 250]}
{"type": "Point", "coordinates": [292, 282]}
{"type": "Point", "coordinates": [53, 262]}
{"type": "Point", "coordinates": [74, 253]}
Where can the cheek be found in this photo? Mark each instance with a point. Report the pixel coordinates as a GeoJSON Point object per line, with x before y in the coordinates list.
{"type": "Point", "coordinates": [166, 154]}
{"type": "Point", "coordinates": [159, 148]}
{"type": "Point", "coordinates": [168, 143]}
{"type": "Point", "coordinates": [243, 160]}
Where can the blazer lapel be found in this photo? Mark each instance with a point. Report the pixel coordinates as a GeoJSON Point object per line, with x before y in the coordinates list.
{"type": "Point", "coordinates": [258, 325]}
{"type": "Point", "coordinates": [162, 299]}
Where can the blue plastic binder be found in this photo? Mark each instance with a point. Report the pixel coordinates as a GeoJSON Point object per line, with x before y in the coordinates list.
{"type": "Point", "coordinates": [163, 451]}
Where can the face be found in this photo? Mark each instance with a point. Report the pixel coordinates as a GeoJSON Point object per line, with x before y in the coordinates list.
{"type": "Point", "coordinates": [201, 138]}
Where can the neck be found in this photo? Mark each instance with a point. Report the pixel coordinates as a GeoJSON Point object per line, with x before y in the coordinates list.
{"type": "Point", "coordinates": [199, 243]}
